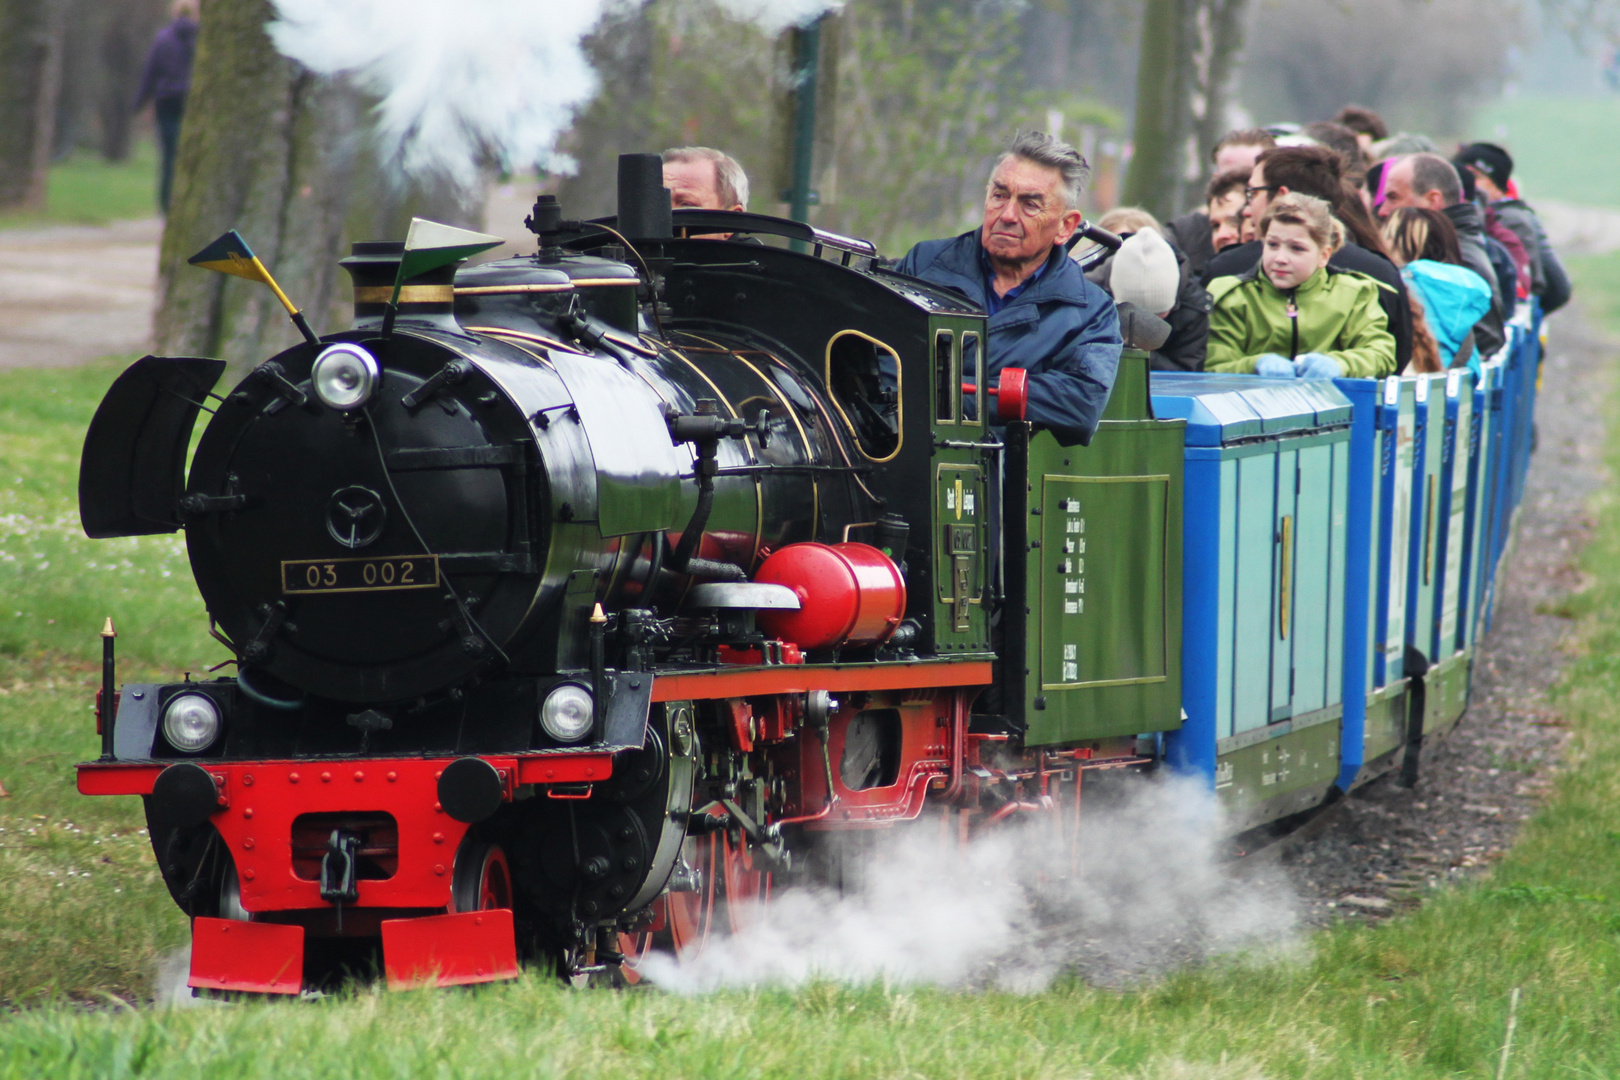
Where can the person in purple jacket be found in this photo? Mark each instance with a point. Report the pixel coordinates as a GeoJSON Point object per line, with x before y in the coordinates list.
{"type": "Point", "coordinates": [165, 82]}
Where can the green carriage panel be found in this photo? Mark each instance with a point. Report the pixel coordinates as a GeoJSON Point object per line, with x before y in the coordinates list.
{"type": "Point", "coordinates": [1101, 578]}
{"type": "Point", "coordinates": [1278, 770]}
{"type": "Point", "coordinates": [1385, 726]}
{"type": "Point", "coordinates": [1445, 695]}
{"type": "Point", "coordinates": [1226, 590]}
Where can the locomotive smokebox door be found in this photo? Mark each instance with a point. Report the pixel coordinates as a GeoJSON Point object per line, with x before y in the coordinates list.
{"type": "Point", "coordinates": [133, 469]}
{"type": "Point", "coordinates": [395, 538]}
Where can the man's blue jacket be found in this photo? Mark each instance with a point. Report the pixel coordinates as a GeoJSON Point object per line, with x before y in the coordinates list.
{"type": "Point", "coordinates": [1062, 329]}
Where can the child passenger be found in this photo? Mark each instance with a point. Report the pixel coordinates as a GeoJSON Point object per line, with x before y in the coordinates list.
{"type": "Point", "coordinates": [1290, 316]}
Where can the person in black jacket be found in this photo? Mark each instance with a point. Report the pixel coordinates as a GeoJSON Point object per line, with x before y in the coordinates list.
{"type": "Point", "coordinates": [1193, 234]}
{"type": "Point", "coordinates": [1318, 171]}
{"type": "Point", "coordinates": [1491, 168]}
{"type": "Point", "coordinates": [1152, 273]}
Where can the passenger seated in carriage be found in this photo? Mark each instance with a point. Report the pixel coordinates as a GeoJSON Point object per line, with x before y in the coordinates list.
{"type": "Point", "coordinates": [1293, 316]}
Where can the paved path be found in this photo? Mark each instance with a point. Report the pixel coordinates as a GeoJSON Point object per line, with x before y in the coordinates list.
{"type": "Point", "coordinates": [69, 294]}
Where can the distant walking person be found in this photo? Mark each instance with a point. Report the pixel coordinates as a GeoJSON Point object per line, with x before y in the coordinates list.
{"type": "Point", "coordinates": [165, 83]}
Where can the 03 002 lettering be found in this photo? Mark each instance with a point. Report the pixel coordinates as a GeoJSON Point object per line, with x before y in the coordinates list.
{"type": "Point", "coordinates": [359, 575]}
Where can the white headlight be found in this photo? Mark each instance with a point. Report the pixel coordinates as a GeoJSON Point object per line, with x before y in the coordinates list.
{"type": "Point", "coordinates": [191, 723]}
{"type": "Point", "coordinates": [566, 714]}
{"type": "Point", "coordinates": [345, 376]}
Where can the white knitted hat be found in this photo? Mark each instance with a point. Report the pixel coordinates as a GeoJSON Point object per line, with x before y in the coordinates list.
{"type": "Point", "coordinates": [1145, 272]}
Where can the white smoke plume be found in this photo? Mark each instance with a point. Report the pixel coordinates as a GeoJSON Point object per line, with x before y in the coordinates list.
{"type": "Point", "coordinates": [169, 975]}
{"type": "Point", "coordinates": [774, 16]}
{"type": "Point", "coordinates": [1153, 893]}
{"type": "Point", "coordinates": [456, 82]}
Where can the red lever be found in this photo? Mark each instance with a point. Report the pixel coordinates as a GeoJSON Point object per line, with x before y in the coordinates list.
{"type": "Point", "coordinates": [1012, 400]}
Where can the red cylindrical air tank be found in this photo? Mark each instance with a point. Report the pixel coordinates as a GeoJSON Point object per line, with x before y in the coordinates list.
{"type": "Point", "coordinates": [849, 594]}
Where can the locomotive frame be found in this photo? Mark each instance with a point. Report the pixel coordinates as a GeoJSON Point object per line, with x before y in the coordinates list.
{"type": "Point", "coordinates": [744, 503]}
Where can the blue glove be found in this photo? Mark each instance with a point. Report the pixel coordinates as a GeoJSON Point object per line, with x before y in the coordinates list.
{"type": "Point", "coordinates": [1272, 366]}
{"type": "Point", "coordinates": [1315, 365]}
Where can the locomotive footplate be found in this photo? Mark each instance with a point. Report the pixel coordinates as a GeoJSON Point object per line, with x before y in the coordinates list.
{"type": "Point", "coordinates": [370, 847]}
{"type": "Point", "coordinates": [276, 819]}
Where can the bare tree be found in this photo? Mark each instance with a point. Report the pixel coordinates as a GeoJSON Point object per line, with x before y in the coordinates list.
{"type": "Point", "coordinates": [126, 32]}
{"type": "Point", "coordinates": [31, 33]}
{"type": "Point", "coordinates": [673, 72]}
{"type": "Point", "coordinates": [914, 98]}
{"type": "Point", "coordinates": [1192, 52]}
{"type": "Point", "coordinates": [267, 148]}
{"type": "Point", "coordinates": [1221, 62]}
{"type": "Point", "coordinates": [928, 93]}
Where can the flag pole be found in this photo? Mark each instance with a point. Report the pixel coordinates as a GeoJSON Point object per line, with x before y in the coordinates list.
{"type": "Point", "coordinates": [292, 309]}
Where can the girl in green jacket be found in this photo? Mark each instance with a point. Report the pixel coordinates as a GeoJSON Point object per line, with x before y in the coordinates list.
{"type": "Point", "coordinates": [1291, 316]}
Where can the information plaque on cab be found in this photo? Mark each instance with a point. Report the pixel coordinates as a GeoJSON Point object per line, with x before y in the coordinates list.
{"type": "Point", "coordinates": [388, 573]}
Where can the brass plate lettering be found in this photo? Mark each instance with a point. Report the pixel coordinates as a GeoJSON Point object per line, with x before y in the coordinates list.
{"type": "Point", "coordinates": [386, 574]}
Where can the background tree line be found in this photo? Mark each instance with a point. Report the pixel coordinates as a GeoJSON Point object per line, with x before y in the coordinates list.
{"type": "Point", "coordinates": [916, 96]}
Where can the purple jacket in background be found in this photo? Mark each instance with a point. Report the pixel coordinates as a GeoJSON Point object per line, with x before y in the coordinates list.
{"type": "Point", "coordinates": [168, 63]}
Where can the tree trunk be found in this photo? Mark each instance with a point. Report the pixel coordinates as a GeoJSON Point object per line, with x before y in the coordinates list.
{"type": "Point", "coordinates": [1227, 19]}
{"type": "Point", "coordinates": [122, 52]}
{"type": "Point", "coordinates": [31, 34]}
{"type": "Point", "coordinates": [268, 149]}
{"type": "Point", "coordinates": [1154, 178]}
{"type": "Point", "coordinates": [1048, 45]}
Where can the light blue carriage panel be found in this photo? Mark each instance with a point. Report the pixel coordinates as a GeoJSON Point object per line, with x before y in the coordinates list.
{"type": "Point", "coordinates": [1270, 645]}
{"type": "Point", "coordinates": [1452, 566]}
{"type": "Point", "coordinates": [1427, 529]}
{"type": "Point", "coordinates": [1391, 563]}
{"type": "Point", "coordinates": [1479, 500]}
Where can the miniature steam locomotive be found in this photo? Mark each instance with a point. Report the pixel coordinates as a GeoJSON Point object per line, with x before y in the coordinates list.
{"type": "Point", "coordinates": [596, 593]}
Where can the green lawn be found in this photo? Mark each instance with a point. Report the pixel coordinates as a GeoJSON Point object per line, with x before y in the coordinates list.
{"type": "Point", "coordinates": [82, 911]}
{"type": "Point", "coordinates": [86, 190]}
{"type": "Point", "coordinates": [1424, 995]}
{"type": "Point", "coordinates": [1566, 149]}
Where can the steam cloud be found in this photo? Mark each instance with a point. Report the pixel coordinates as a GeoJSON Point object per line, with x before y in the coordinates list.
{"type": "Point", "coordinates": [774, 16]}
{"type": "Point", "coordinates": [1152, 894]}
{"type": "Point", "coordinates": [169, 975]}
{"type": "Point", "coordinates": [455, 82]}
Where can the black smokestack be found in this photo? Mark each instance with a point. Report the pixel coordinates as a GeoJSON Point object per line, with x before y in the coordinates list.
{"type": "Point", "coordinates": [643, 198]}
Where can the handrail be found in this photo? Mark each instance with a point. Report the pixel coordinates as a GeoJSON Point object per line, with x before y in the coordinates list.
{"type": "Point", "coordinates": [738, 221]}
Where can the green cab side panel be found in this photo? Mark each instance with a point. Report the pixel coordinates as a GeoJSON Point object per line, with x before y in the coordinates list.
{"type": "Point", "coordinates": [1104, 571]}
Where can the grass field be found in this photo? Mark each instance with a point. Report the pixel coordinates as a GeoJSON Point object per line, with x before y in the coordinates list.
{"type": "Point", "coordinates": [1566, 149]}
{"type": "Point", "coordinates": [86, 190]}
{"type": "Point", "coordinates": [82, 915]}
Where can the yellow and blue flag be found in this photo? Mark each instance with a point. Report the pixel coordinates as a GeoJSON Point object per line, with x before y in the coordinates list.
{"type": "Point", "coordinates": [230, 254]}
